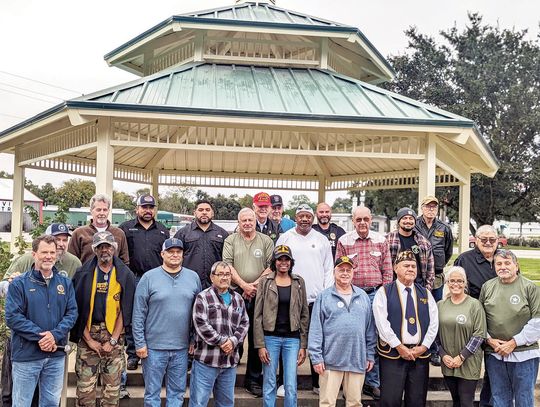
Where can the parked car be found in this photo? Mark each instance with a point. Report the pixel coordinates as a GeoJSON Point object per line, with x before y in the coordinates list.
{"type": "Point", "coordinates": [503, 242]}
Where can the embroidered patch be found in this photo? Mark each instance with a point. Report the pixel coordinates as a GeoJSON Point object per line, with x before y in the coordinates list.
{"type": "Point", "coordinates": [514, 299]}
{"type": "Point", "coordinates": [257, 253]}
{"type": "Point", "coordinates": [333, 236]}
{"type": "Point", "coordinates": [438, 233]}
{"type": "Point", "coordinates": [60, 288]}
{"type": "Point", "coordinates": [340, 304]}
{"type": "Point", "coordinates": [461, 319]}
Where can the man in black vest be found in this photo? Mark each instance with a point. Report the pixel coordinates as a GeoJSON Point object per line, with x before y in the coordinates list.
{"type": "Point", "coordinates": [407, 322]}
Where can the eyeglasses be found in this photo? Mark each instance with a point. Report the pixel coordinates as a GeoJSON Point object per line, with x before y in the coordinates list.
{"type": "Point", "coordinates": [431, 207]}
{"type": "Point", "coordinates": [365, 219]}
{"type": "Point", "coordinates": [223, 275]}
{"type": "Point", "coordinates": [484, 240]}
{"type": "Point", "coordinates": [452, 282]}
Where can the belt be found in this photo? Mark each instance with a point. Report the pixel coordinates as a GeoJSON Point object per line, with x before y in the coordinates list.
{"type": "Point", "coordinates": [369, 290]}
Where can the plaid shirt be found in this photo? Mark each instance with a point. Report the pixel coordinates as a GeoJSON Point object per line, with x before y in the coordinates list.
{"type": "Point", "coordinates": [427, 267]}
{"type": "Point", "coordinates": [371, 258]}
{"type": "Point", "coordinates": [214, 323]}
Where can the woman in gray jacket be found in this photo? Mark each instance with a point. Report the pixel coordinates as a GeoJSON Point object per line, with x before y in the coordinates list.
{"type": "Point", "coordinates": [281, 323]}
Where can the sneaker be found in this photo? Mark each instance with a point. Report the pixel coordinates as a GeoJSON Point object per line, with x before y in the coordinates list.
{"type": "Point", "coordinates": [254, 388]}
{"type": "Point", "coordinates": [435, 359]}
{"type": "Point", "coordinates": [132, 364]}
{"type": "Point", "coordinates": [124, 394]}
{"type": "Point", "coordinates": [374, 392]}
{"type": "Point", "coordinates": [316, 390]}
{"type": "Point", "coordinates": [281, 391]}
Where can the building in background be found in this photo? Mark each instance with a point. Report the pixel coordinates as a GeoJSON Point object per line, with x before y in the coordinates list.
{"type": "Point", "coordinates": [6, 200]}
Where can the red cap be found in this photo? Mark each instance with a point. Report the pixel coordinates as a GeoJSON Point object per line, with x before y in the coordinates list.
{"type": "Point", "coordinates": [261, 199]}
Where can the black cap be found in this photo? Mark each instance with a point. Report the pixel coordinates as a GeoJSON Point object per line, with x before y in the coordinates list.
{"type": "Point", "coordinates": [406, 255]}
{"type": "Point", "coordinates": [404, 212]}
{"type": "Point", "coordinates": [276, 200]}
{"type": "Point", "coordinates": [282, 250]}
{"type": "Point", "coordinates": [146, 199]}
{"type": "Point", "coordinates": [172, 242]}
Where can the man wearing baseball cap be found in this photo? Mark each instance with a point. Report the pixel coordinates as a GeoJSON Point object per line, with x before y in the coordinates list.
{"type": "Point", "coordinates": [162, 324]}
{"type": "Point", "coordinates": [312, 260]}
{"type": "Point", "coordinates": [276, 213]}
{"type": "Point", "coordinates": [262, 207]}
{"type": "Point", "coordinates": [104, 289]}
{"type": "Point", "coordinates": [405, 238]}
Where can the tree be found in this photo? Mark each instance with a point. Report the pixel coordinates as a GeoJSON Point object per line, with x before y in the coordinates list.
{"type": "Point", "coordinates": [178, 200]}
{"type": "Point", "coordinates": [226, 208]}
{"type": "Point", "coordinates": [76, 193]}
{"type": "Point", "coordinates": [342, 205]}
{"type": "Point", "coordinates": [246, 201]}
{"type": "Point", "coordinates": [296, 201]}
{"type": "Point", "coordinates": [491, 76]}
{"type": "Point", "coordinates": [123, 200]}
{"type": "Point", "coordinates": [46, 192]}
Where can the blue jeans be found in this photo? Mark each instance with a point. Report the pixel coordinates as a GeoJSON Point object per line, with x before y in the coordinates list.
{"type": "Point", "coordinates": [205, 379]}
{"type": "Point", "coordinates": [47, 372]}
{"type": "Point", "coordinates": [173, 364]}
{"type": "Point", "coordinates": [512, 381]}
{"type": "Point", "coordinates": [372, 377]}
{"type": "Point", "coordinates": [288, 348]}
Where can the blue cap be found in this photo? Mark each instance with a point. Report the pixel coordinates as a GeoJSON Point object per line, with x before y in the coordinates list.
{"type": "Point", "coordinates": [55, 229]}
{"type": "Point", "coordinates": [172, 242]}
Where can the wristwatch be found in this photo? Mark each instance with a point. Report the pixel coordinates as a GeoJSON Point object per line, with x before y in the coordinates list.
{"type": "Point", "coordinates": [113, 341]}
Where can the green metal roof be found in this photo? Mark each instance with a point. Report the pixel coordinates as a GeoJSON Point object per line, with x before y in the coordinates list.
{"type": "Point", "coordinates": [263, 90]}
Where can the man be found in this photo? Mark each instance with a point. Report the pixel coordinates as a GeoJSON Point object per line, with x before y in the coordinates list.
{"type": "Point", "coordinates": [312, 260]}
{"type": "Point", "coordinates": [332, 231]}
{"type": "Point", "coordinates": [203, 242]}
{"type": "Point", "coordinates": [161, 324]}
{"type": "Point", "coordinates": [407, 322]}
{"type": "Point", "coordinates": [249, 253]}
{"type": "Point", "coordinates": [342, 338]}
{"type": "Point", "coordinates": [104, 288]}
{"type": "Point", "coordinates": [66, 265]}
{"type": "Point", "coordinates": [512, 305]}
{"type": "Point", "coordinates": [407, 238]}
{"type": "Point", "coordinates": [80, 244]}
{"type": "Point", "coordinates": [372, 268]}
{"type": "Point", "coordinates": [479, 268]}
{"type": "Point", "coordinates": [276, 213]}
{"type": "Point", "coordinates": [40, 311]}
{"type": "Point", "coordinates": [261, 206]}
{"type": "Point", "coordinates": [221, 324]}
{"type": "Point", "coordinates": [144, 236]}
{"type": "Point", "coordinates": [440, 237]}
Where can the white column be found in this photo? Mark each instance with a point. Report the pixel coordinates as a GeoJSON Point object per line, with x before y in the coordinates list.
{"type": "Point", "coordinates": [464, 213]}
{"type": "Point", "coordinates": [426, 173]}
{"type": "Point", "coordinates": [104, 159]}
{"type": "Point", "coordinates": [322, 190]}
{"type": "Point", "coordinates": [155, 183]}
{"type": "Point", "coordinates": [17, 206]}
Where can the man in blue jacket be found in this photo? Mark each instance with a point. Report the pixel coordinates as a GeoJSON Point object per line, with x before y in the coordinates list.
{"type": "Point", "coordinates": [40, 311]}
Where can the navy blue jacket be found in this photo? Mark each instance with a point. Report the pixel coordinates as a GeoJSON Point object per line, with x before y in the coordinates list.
{"type": "Point", "coordinates": [33, 307]}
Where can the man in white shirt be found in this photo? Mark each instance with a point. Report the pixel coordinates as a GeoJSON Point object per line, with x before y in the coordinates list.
{"type": "Point", "coordinates": [407, 322]}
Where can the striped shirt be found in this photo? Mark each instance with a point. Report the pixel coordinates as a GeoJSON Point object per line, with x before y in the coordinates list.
{"type": "Point", "coordinates": [371, 258]}
{"type": "Point", "coordinates": [214, 323]}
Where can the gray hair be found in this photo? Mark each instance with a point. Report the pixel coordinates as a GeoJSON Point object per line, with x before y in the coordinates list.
{"type": "Point", "coordinates": [459, 270]}
{"type": "Point", "coordinates": [485, 229]}
{"type": "Point", "coordinates": [506, 254]}
{"type": "Point", "coordinates": [100, 198]}
{"type": "Point", "coordinates": [246, 210]}
{"type": "Point", "coordinates": [218, 264]}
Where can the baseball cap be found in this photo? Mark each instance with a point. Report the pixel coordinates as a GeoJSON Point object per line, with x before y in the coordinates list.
{"type": "Point", "coordinates": [261, 199]}
{"type": "Point", "coordinates": [282, 250]}
{"type": "Point", "coordinates": [103, 237]}
{"type": "Point", "coordinates": [428, 199]}
{"type": "Point", "coordinates": [344, 260]}
{"type": "Point", "coordinates": [276, 200]}
{"type": "Point", "coordinates": [404, 212]}
{"type": "Point", "coordinates": [55, 229]}
{"type": "Point", "coordinates": [172, 242]}
{"type": "Point", "coordinates": [304, 208]}
{"type": "Point", "coordinates": [146, 199]}
{"type": "Point", "coordinates": [406, 255]}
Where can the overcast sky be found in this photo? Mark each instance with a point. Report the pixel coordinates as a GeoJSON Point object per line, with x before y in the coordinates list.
{"type": "Point", "coordinates": [62, 42]}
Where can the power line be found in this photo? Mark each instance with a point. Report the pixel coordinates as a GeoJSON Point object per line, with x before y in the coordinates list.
{"type": "Point", "coordinates": [31, 91]}
{"type": "Point", "coordinates": [43, 83]}
{"type": "Point", "coordinates": [27, 96]}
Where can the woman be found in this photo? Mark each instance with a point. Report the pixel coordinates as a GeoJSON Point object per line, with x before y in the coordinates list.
{"type": "Point", "coordinates": [281, 324]}
{"type": "Point", "coordinates": [462, 329]}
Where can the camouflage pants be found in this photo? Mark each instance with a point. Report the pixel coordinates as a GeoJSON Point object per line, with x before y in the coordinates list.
{"type": "Point", "coordinates": [89, 365]}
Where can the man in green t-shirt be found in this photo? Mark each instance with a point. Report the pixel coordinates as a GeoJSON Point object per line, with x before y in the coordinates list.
{"type": "Point", "coordinates": [512, 305]}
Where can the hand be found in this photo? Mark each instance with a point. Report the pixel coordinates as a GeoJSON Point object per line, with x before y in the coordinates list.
{"type": "Point", "coordinates": [301, 357]}
{"type": "Point", "coordinates": [448, 361]}
{"type": "Point", "coordinates": [319, 368]}
{"type": "Point", "coordinates": [264, 356]}
{"type": "Point", "coordinates": [142, 353]}
{"type": "Point", "coordinates": [457, 361]}
{"type": "Point", "coordinates": [191, 349]}
{"type": "Point", "coordinates": [494, 343]}
{"type": "Point", "coordinates": [405, 352]}
{"type": "Point", "coordinates": [506, 348]}
{"type": "Point", "coordinates": [47, 341]}
{"type": "Point", "coordinates": [95, 346]}
{"type": "Point", "coordinates": [250, 290]}
{"type": "Point", "coordinates": [369, 365]}
{"type": "Point", "coordinates": [11, 277]}
{"type": "Point", "coordinates": [227, 346]}
{"type": "Point", "coordinates": [107, 347]}
{"type": "Point", "coordinates": [419, 350]}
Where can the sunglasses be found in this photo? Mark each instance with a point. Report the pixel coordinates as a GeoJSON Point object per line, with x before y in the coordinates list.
{"type": "Point", "coordinates": [484, 240]}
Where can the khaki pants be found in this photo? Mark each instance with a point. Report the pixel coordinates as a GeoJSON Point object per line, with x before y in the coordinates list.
{"type": "Point", "coordinates": [330, 383]}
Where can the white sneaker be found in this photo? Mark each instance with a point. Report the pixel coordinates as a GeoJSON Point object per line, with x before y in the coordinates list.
{"type": "Point", "coordinates": [316, 390]}
{"type": "Point", "coordinates": [281, 391]}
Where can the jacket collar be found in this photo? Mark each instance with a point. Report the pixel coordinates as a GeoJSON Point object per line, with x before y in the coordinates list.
{"type": "Point", "coordinates": [272, 276]}
{"type": "Point", "coordinates": [38, 277]}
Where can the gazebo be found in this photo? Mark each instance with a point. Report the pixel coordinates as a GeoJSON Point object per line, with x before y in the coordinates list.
{"type": "Point", "coordinates": [252, 95]}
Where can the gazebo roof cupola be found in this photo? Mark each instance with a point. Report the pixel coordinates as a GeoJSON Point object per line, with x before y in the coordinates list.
{"type": "Point", "coordinates": [255, 33]}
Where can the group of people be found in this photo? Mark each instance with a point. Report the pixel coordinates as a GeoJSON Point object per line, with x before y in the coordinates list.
{"type": "Point", "coordinates": [361, 306]}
